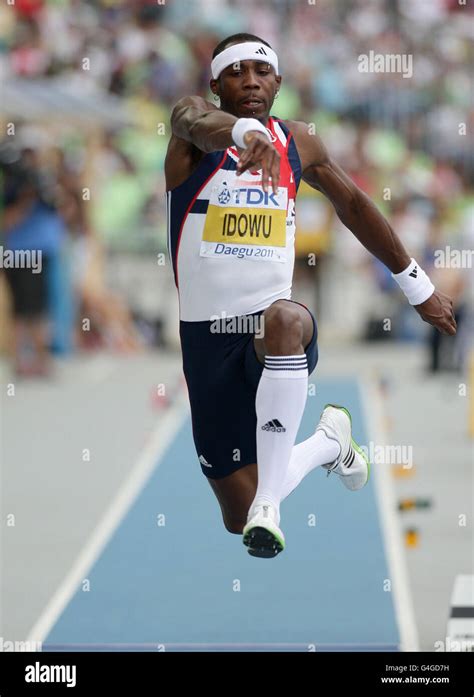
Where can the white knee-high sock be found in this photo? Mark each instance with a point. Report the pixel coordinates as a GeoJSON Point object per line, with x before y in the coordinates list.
{"type": "Point", "coordinates": [280, 401]}
{"type": "Point", "coordinates": [311, 453]}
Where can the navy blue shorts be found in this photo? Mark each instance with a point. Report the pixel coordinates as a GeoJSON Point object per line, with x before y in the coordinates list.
{"type": "Point", "coordinates": [222, 373]}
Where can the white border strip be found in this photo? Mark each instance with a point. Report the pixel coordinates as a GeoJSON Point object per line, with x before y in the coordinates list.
{"type": "Point", "coordinates": [142, 470]}
{"type": "Point", "coordinates": [385, 496]}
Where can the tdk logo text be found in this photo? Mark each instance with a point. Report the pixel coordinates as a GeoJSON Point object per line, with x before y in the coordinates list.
{"type": "Point", "coordinates": [249, 197]}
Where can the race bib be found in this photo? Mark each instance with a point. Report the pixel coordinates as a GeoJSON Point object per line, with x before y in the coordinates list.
{"type": "Point", "coordinates": [245, 222]}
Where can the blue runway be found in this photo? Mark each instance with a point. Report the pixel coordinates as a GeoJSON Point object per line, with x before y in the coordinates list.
{"type": "Point", "coordinates": [191, 585]}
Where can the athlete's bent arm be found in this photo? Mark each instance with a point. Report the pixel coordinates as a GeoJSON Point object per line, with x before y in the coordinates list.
{"type": "Point", "coordinates": [199, 122]}
{"type": "Point", "coordinates": [358, 213]}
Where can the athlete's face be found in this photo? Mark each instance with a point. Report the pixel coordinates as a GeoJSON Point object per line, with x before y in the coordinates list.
{"type": "Point", "coordinates": [247, 89]}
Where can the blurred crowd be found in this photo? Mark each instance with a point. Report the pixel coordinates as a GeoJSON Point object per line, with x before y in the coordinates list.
{"type": "Point", "coordinates": [63, 303]}
{"type": "Point", "coordinates": [403, 140]}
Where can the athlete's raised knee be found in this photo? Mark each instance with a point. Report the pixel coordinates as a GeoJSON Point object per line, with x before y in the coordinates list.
{"type": "Point", "coordinates": [283, 329]}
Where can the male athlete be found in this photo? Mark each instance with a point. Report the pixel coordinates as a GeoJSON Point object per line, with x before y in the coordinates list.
{"type": "Point", "coordinates": [232, 174]}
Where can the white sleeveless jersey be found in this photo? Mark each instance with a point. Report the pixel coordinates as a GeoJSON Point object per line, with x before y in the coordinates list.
{"type": "Point", "coordinates": [230, 243]}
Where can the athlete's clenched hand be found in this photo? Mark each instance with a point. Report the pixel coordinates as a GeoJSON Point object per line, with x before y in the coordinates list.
{"type": "Point", "coordinates": [260, 154]}
{"type": "Point", "coordinates": [438, 311]}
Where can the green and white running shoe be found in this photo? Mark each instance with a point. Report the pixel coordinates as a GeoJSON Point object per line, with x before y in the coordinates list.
{"type": "Point", "coordinates": [261, 534]}
{"type": "Point", "coordinates": [352, 465]}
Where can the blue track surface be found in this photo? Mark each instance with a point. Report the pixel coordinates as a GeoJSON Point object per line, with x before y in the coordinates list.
{"type": "Point", "coordinates": [173, 586]}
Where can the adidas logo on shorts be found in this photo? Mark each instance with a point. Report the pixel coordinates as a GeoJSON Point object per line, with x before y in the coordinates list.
{"type": "Point", "coordinates": [274, 425]}
{"type": "Point", "coordinates": [203, 461]}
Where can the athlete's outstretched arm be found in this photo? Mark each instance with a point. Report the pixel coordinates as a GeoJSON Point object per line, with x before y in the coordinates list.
{"type": "Point", "coordinates": [355, 209]}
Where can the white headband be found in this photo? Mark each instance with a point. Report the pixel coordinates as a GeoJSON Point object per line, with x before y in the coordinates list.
{"type": "Point", "coordinates": [247, 51]}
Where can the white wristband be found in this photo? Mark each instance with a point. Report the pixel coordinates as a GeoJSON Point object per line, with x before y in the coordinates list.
{"type": "Point", "coordinates": [241, 127]}
{"type": "Point", "coordinates": [415, 283]}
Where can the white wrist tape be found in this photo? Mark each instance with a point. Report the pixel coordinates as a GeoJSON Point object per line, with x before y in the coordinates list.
{"type": "Point", "coordinates": [242, 126]}
{"type": "Point", "coordinates": [415, 283]}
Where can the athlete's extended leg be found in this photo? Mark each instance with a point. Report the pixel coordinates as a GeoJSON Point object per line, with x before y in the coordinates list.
{"type": "Point", "coordinates": [280, 401]}
{"type": "Point", "coordinates": [281, 394]}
